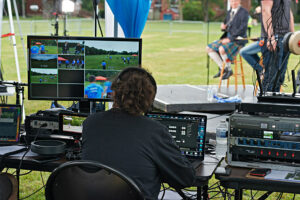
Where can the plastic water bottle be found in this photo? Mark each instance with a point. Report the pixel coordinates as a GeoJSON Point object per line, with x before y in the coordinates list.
{"type": "Point", "coordinates": [221, 139]}
{"type": "Point", "coordinates": [211, 91]}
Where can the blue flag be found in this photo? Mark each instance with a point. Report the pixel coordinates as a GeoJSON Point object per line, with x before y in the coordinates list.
{"type": "Point", "coordinates": [131, 15]}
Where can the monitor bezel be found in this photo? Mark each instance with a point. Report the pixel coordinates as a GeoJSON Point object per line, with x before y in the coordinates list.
{"type": "Point", "coordinates": [17, 141]}
{"type": "Point", "coordinates": [37, 37]}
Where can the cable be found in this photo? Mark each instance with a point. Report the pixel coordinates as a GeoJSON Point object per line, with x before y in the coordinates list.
{"type": "Point", "coordinates": [279, 196]}
{"type": "Point", "coordinates": [33, 193]}
{"type": "Point", "coordinates": [28, 148]}
{"type": "Point", "coordinates": [164, 191]}
{"type": "Point", "coordinates": [26, 173]}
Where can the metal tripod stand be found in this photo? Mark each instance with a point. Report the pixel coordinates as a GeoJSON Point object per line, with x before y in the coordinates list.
{"type": "Point", "coordinates": [13, 37]}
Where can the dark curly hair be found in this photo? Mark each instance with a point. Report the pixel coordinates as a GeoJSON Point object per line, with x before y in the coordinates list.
{"type": "Point", "coordinates": [134, 91]}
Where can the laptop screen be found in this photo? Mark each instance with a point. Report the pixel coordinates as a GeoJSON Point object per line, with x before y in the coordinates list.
{"type": "Point", "coordinates": [188, 131]}
{"type": "Point", "coordinates": [10, 118]}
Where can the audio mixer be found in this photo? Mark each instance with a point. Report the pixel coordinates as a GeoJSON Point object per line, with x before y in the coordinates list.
{"type": "Point", "coordinates": [264, 141]}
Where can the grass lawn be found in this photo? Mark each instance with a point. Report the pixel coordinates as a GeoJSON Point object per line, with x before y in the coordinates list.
{"type": "Point", "coordinates": [173, 52]}
{"type": "Point", "coordinates": [113, 62]}
{"type": "Point", "coordinates": [51, 49]}
{"type": "Point", "coordinates": [46, 79]}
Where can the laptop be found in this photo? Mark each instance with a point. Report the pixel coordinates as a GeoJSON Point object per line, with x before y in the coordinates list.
{"type": "Point", "coordinates": [188, 131]}
{"type": "Point", "coordinates": [10, 121]}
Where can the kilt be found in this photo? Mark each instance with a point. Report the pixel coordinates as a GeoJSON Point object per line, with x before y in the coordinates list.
{"type": "Point", "coordinates": [230, 48]}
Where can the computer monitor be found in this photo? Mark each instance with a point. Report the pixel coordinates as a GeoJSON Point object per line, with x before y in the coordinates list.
{"type": "Point", "coordinates": [188, 131]}
{"type": "Point", "coordinates": [70, 124]}
{"type": "Point", "coordinates": [10, 119]}
{"type": "Point", "coordinates": [77, 68]}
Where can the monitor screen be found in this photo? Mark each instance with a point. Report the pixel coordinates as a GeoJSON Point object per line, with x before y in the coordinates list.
{"type": "Point", "coordinates": [188, 131]}
{"type": "Point", "coordinates": [71, 124]}
{"type": "Point", "coordinates": [10, 119]}
{"type": "Point", "coordinates": [77, 68]}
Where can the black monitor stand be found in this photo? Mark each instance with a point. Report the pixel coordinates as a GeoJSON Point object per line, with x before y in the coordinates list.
{"type": "Point", "coordinates": [86, 106]}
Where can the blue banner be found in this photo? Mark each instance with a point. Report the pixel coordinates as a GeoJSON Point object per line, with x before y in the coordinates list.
{"type": "Point", "coordinates": [131, 15]}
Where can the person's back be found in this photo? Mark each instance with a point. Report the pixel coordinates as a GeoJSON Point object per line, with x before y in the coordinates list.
{"type": "Point", "coordinates": [93, 90]}
{"type": "Point", "coordinates": [138, 150]}
{"type": "Point", "coordinates": [126, 140]}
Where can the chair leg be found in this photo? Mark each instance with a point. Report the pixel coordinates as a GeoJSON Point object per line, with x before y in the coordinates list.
{"type": "Point", "coordinates": [256, 87]}
{"type": "Point", "coordinates": [242, 73]}
{"type": "Point", "coordinates": [235, 74]}
{"type": "Point", "coordinates": [228, 80]}
{"type": "Point", "coordinates": [222, 72]}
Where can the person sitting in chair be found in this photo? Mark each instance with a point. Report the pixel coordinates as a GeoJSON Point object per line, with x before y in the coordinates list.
{"type": "Point", "coordinates": [227, 47]}
{"type": "Point", "coordinates": [124, 139]}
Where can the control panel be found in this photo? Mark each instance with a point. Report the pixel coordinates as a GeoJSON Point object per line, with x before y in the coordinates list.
{"type": "Point", "coordinates": [264, 141]}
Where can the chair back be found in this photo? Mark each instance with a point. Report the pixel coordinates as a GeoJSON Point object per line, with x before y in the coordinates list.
{"type": "Point", "coordinates": [89, 180]}
{"type": "Point", "coordinates": [8, 187]}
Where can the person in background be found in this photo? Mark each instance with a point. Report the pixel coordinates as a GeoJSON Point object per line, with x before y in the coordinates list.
{"type": "Point", "coordinates": [65, 48]}
{"type": "Point", "coordinates": [128, 141]}
{"type": "Point", "coordinates": [42, 49]}
{"type": "Point", "coordinates": [249, 52]}
{"type": "Point", "coordinates": [277, 20]}
{"type": "Point", "coordinates": [107, 89]}
{"type": "Point", "coordinates": [35, 49]}
{"type": "Point", "coordinates": [103, 64]}
{"type": "Point", "coordinates": [226, 48]}
{"type": "Point", "coordinates": [93, 90]}
{"type": "Point", "coordinates": [78, 48]}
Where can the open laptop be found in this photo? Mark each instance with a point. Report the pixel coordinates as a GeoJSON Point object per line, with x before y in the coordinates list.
{"type": "Point", "coordinates": [10, 121]}
{"type": "Point", "coordinates": [188, 131]}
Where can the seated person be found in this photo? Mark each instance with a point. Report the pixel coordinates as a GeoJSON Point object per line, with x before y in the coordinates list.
{"type": "Point", "coordinates": [249, 53]}
{"type": "Point", "coordinates": [235, 25]}
{"type": "Point", "coordinates": [141, 148]}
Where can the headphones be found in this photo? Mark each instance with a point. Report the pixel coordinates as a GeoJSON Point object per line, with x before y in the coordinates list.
{"type": "Point", "coordinates": [137, 69]}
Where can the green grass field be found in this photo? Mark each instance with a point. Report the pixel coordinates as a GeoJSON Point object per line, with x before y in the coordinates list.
{"type": "Point", "coordinates": [173, 52]}
{"type": "Point", "coordinates": [51, 49]}
{"type": "Point", "coordinates": [116, 63]}
{"type": "Point", "coordinates": [45, 79]}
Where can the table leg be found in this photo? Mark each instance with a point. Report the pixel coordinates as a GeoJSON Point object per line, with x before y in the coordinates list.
{"type": "Point", "coordinates": [238, 194]}
{"type": "Point", "coordinates": [205, 192]}
{"type": "Point", "coordinates": [199, 193]}
{"type": "Point", "coordinates": [18, 179]}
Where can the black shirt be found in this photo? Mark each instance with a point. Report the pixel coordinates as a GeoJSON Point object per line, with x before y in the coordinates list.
{"type": "Point", "coordinates": [139, 147]}
{"type": "Point", "coordinates": [280, 18]}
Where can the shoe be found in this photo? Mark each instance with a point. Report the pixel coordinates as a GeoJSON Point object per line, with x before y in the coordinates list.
{"type": "Point", "coordinates": [218, 74]}
{"type": "Point", "coordinates": [227, 74]}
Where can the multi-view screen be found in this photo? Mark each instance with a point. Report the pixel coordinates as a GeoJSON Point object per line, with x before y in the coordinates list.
{"type": "Point", "coordinates": [73, 68]}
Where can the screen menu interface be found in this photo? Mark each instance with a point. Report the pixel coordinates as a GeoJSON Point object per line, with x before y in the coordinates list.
{"type": "Point", "coordinates": [188, 131]}
{"type": "Point", "coordinates": [10, 117]}
{"type": "Point", "coordinates": [76, 69]}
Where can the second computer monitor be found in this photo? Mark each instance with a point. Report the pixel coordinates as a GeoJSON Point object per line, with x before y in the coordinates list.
{"type": "Point", "coordinates": [78, 68]}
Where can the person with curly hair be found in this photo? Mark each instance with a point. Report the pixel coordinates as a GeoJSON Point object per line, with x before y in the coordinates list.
{"type": "Point", "coordinates": [124, 139]}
